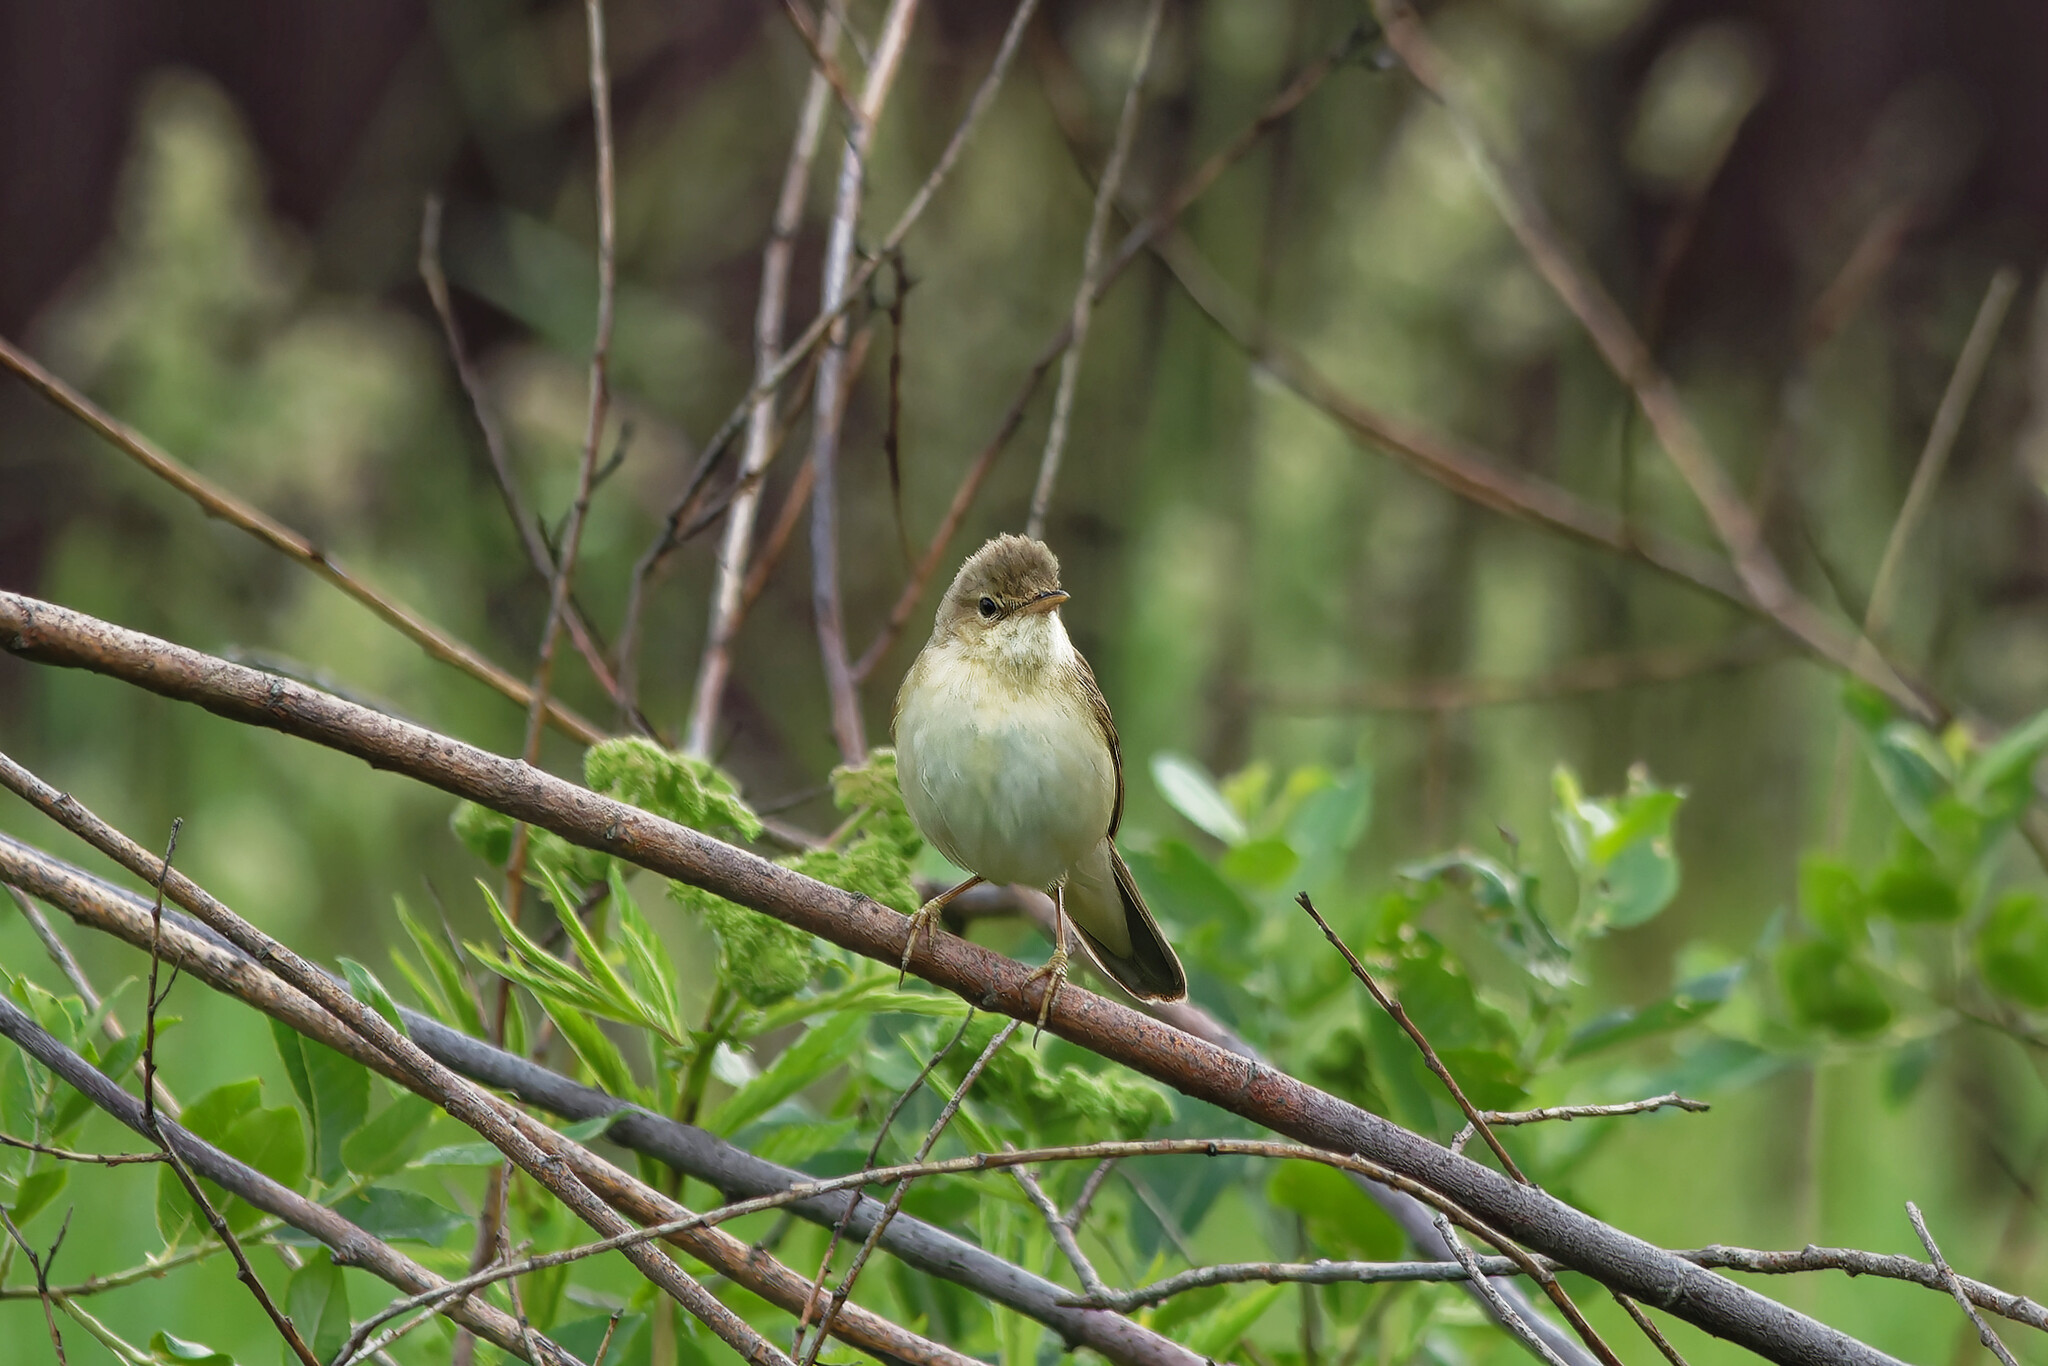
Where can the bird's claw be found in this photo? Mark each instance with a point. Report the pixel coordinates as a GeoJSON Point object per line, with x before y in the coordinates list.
{"type": "Point", "coordinates": [1055, 968]}
{"type": "Point", "coordinates": [920, 923]}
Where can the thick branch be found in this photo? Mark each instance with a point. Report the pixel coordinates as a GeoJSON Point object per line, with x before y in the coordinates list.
{"type": "Point", "coordinates": [50, 634]}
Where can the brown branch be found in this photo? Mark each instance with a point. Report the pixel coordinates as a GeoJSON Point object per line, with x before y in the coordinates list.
{"type": "Point", "coordinates": [41, 1267]}
{"type": "Point", "coordinates": [819, 40]}
{"type": "Point", "coordinates": [1955, 1286]}
{"type": "Point", "coordinates": [350, 1245]}
{"type": "Point", "coordinates": [1063, 1234]}
{"type": "Point", "coordinates": [1568, 1113]}
{"type": "Point", "coordinates": [66, 1155]}
{"type": "Point", "coordinates": [1763, 581]}
{"type": "Point", "coordinates": [1855, 1262]}
{"type": "Point", "coordinates": [49, 634]}
{"type": "Point", "coordinates": [776, 260]}
{"type": "Point", "coordinates": [215, 501]}
{"type": "Point", "coordinates": [692, 1151]}
{"type": "Point", "coordinates": [524, 524]}
{"type": "Point", "coordinates": [1128, 250]}
{"type": "Point", "coordinates": [1083, 311]}
{"type": "Point", "coordinates": [1400, 1015]}
{"type": "Point", "coordinates": [827, 406]}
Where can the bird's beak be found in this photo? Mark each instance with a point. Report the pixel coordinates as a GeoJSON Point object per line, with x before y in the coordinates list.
{"type": "Point", "coordinates": [1044, 602]}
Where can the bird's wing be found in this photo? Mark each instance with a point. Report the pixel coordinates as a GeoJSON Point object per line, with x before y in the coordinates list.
{"type": "Point", "coordinates": [1099, 705]}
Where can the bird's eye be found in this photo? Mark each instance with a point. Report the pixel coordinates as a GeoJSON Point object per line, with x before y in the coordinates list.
{"type": "Point", "coordinates": [989, 609]}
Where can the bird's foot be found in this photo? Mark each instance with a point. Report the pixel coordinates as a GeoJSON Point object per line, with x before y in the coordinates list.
{"type": "Point", "coordinates": [1055, 968]}
{"type": "Point", "coordinates": [920, 924]}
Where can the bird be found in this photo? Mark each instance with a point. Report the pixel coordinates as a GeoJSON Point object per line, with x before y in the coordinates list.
{"type": "Point", "coordinates": [1010, 767]}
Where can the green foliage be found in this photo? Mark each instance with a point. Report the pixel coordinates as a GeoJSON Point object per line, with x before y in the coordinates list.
{"type": "Point", "coordinates": [1071, 1102]}
{"type": "Point", "coordinates": [686, 790]}
{"type": "Point", "coordinates": [1829, 988]}
{"type": "Point", "coordinates": [1621, 850]}
{"type": "Point", "coordinates": [234, 1119]}
{"type": "Point", "coordinates": [316, 1301]}
{"type": "Point", "coordinates": [333, 1091]}
{"type": "Point", "coordinates": [2012, 949]}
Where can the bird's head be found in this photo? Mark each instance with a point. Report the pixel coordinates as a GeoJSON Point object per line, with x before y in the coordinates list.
{"type": "Point", "coordinates": [1006, 597]}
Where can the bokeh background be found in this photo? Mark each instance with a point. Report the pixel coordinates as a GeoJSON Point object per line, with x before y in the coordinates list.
{"type": "Point", "coordinates": [209, 219]}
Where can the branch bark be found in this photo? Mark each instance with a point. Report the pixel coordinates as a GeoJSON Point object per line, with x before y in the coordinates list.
{"type": "Point", "coordinates": [49, 634]}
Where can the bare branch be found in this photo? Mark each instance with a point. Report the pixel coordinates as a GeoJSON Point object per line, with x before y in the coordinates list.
{"type": "Point", "coordinates": [42, 632]}
{"type": "Point", "coordinates": [1502, 1310]}
{"type": "Point", "coordinates": [218, 502]}
{"type": "Point", "coordinates": [67, 1155]}
{"type": "Point", "coordinates": [1091, 266]}
{"type": "Point", "coordinates": [41, 1267]}
{"type": "Point", "coordinates": [1567, 1113]}
{"type": "Point", "coordinates": [1955, 1285]}
{"type": "Point", "coordinates": [826, 612]}
{"type": "Point", "coordinates": [1062, 1233]}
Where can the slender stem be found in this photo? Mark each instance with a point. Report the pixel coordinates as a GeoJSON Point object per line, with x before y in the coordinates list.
{"type": "Point", "coordinates": [1091, 266]}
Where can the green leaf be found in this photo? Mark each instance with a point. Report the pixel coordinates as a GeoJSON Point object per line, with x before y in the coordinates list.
{"type": "Point", "coordinates": [1343, 1221]}
{"type": "Point", "coordinates": [1620, 848]}
{"type": "Point", "coordinates": [390, 1138]}
{"type": "Point", "coordinates": [167, 1349]}
{"type": "Point", "coordinates": [823, 1047]}
{"type": "Point", "coordinates": [594, 1047]}
{"type": "Point", "coordinates": [1264, 862]}
{"type": "Point", "coordinates": [334, 1091]}
{"type": "Point", "coordinates": [686, 790]}
{"type": "Point", "coordinates": [364, 986]}
{"type": "Point", "coordinates": [36, 1191]}
{"type": "Point", "coordinates": [1913, 891]}
{"type": "Point", "coordinates": [484, 832]}
{"type": "Point", "coordinates": [647, 959]}
{"type": "Point", "coordinates": [2012, 949]}
{"type": "Point", "coordinates": [1186, 887]}
{"type": "Point", "coordinates": [479, 1154]}
{"type": "Point", "coordinates": [2000, 779]}
{"type": "Point", "coordinates": [1506, 900]}
{"type": "Point", "coordinates": [1828, 988]}
{"type": "Point", "coordinates": [316, 1300]}
{"type": "Point", "coordinates": [764, 961]}
{"type": "Point", "coordinates": [1831, 898]}
{"type": "Point", "coordinates": [456, 994]}
{"type": "Point", "coordinates": [233, 1119]}
{"type": "Point", "coordinates": [1190, 790]}
{"type": "Point", "coordinates": [1691, 1001]}
{"type": "Point", "coordinates": [393, 1215]}
{"type": "Point", "coordinates": [1216, 1333]}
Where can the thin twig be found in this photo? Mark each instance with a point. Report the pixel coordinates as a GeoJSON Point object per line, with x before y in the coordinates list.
{"type": "Point", "coordinates": [895, 1203]}
{"type": "Point", "coordinates": [1567, 1113]}
{"type": "Point", "coordinates": [1089, 1190]}
{"type": "Point", "coordinates": [1062, 1233]}
{"type": "Point", "coordinates": [48, 634]}
{"type": "Point", "coordinates": [776, 260]}
{"type": "Point", "coordinates": [67, 1155]}
{"type": "Point", "coordinates": [1941, 440]}
{"type": "Point", "coordinates": [1615, 337]}
{"type": "Point", "coordinates": [826, 609]}
{"type": "Point", "coordinates": [1650, 1329]}
{"type": "Point", "coordinates": [151, 1000]}
{"type": "Point", "coordinates": [1091, 265]}
{"type": "Point", "coordinates": [593, 434]}
{"type": "Point", "coordinates": [1409, 1027]}
{"type": "Point", "coordinates": [1955, 1287]}
{"type": "Point", "coordinates": [1502, 1310]}
{"type": "Point", "coordinates": [819, 40]}
{"type": "Point", "coordinates": [218, 502]}
{"type": "Point", "coordinates": [1291, 1273]}
{"type": "Point", "coordinates": [41, 1267]}
{"type": "Point", "coordinates": [523, 522]}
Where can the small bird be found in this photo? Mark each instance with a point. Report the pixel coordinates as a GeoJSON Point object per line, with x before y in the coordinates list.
{"type": "Point", "coordinates": [1010, 766]}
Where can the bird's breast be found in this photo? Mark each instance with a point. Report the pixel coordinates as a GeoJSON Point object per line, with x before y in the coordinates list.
{"type": "Point", "coordinates": [1014, 782]}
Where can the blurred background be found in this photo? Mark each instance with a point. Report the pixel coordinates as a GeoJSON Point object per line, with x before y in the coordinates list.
{"type": "Point", "coordinates": [211, 215]}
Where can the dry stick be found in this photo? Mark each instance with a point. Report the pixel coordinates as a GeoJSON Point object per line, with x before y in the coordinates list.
{"type": "Point", "coordinates": [593, 435]}
{"type": "Point", "coordinates": [1650, 1329]}
{"type": "Point", "coordinates": [1091, 265]}
{"type": "Point", "coordinates": [867, 1164]}
{"type": "Point", "coordinates": [668, 538]}
{"type": "Point", "coordinates": [502, 1125]}
{"type": "Point", "coordinates": [1408, 1027]}
{"type": "Point", "coordinates": [1955, 1286]}
{"type": "Point", "coordinates": [819, 41]}
{"type": "Point", "coordinates": [523, 522]}
{"type": "Point", "coordinates": [776, 260]}
{"type": "Point", "coordinates": [687, 1149]}
{"type": "Point", "coordinates": [867, 1248]}
{"type": "Point", "coordinates": [351, 1246]}
{"type": "Point", "coordinates": [1062, 1233]}
{"type": "Point", "coordinates": [1615, 338]}
{"type": "Point", "coordinates": [1132, 246]}
{"type": "Point", "coordinates": [67, 1155]}
{"type": "Point", "coordinates": [1502, 1310]}
{"type": "Point", "coordinates": [41, 1267]}
{"type": "Point", "coordinates": [50, 634]}
{"type": "Point", "coordinates": [1568, 1113]}
{"type": "Point", "coordinates": [215, 501]}
{"type": "Point", "coordinates": [152, 1126]}
{"type": "Point", "coordinates": [1941, 439]}
{"type": "Point", "coordinates": [209, 957]}
{"type": "Point", "coordinates": [826, 612]}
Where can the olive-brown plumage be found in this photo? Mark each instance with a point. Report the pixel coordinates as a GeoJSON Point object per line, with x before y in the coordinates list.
{"type": "Point", "coordinates": [1010, 764]}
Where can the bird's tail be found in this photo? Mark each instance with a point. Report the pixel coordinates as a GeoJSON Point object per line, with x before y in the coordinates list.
{"type": "Point", "coordinates": [1119, 932]}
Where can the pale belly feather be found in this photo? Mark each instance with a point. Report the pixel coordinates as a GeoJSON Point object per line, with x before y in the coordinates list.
{"type": "Point", "coordinates": [1016, 787]}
